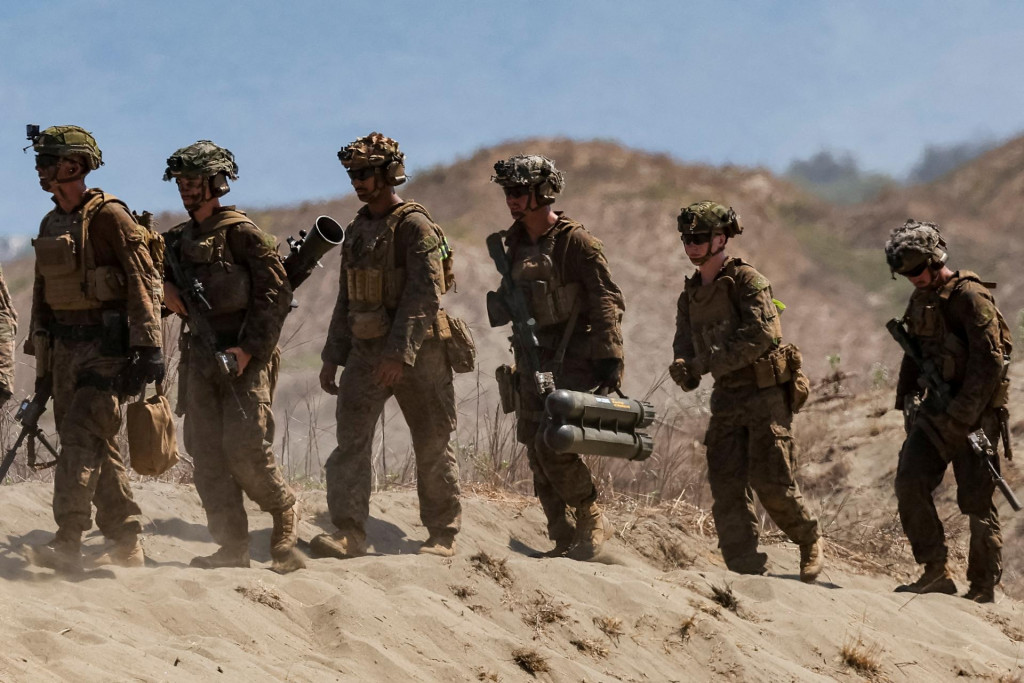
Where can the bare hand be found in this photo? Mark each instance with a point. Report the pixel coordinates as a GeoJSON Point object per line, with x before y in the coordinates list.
{"type": "Point", "coordinates": [388, 372]}
{"type": "Point", "coordinates": [328, 373]}
{"type": "Point", "coordinates": [173, 300]}
{"type": "Point", "coordinates": [241, 356]}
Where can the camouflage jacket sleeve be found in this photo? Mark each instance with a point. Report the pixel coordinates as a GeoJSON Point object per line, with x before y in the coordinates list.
{"type": "Point", "coordinates": [754, 335]}
{"type": "Point", "coordinates": [117, 238]}
{"type": "Point", "coordinates": [339, 335]}
{"type": "Point", "coordinates": [8, 331]}
{"type": "Point", "coordinates": [270, 297]}
{"type": "Point", "coordinates": [585, 263]}
{"type": "Point", "coordinates": [682, 345]}
{"type": "Point", "coordinates": [973, 308]}
{"type": "Point", "coordinates": [417, 249]}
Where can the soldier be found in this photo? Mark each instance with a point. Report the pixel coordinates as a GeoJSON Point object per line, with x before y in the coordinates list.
{"type": "Point", "coordinates": [229, 424]}
{"type": "Point", "coordinates": [388, 332]}
{"type": "Point", "coordinates": [8, 331]}
{"type": "Point", "coordinates": [727, 323]}
{"type": "Point", "coordinates": [954, 320]}
{"type": "Point", "coordinates": [95, 334]}
{"type": "Point", "coordinates": [578, 312]}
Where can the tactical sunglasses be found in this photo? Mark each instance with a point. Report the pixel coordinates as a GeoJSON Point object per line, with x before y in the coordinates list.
{"type": "Point", "coordinates": [915, 271]}
{"type": "Point", "coordinates": [517, 191]}
{"type": "Point", "coordinates": [360, 173]}
{"type": "Point", "coordinates": [47, 160]}
{"type": "Point", "coordinates": [699, 238]}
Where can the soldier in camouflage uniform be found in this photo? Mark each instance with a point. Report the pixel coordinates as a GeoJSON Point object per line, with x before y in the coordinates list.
{"type": "Point", "coordinates": [8, 331]}
{"type": "Point", "coordinates": [229, 424]}
{"type": "Point", "coordinates": [388, 331]}
{"type": "Point", "coordinates": [578, 311]}
{"type": "Point", "coordinates": [727, 323]}
{"type": "Point", "coordinates": [95, 333]}
{"type": "Point", "coordinates": [954, 319]}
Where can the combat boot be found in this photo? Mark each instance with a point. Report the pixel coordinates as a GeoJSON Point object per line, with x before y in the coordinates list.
{"type": "Point", "coordinates": [126, 552]}
{"type": "Point", "coordinates": [286, 558]}
{"type": "Point", "coordinates": [592, 530]}
{"type": "Point", "coordinates": [979, 593]}
{"type": "Point", "coordinates": [63, 554]}
{"type": "Point", "coordinates": [751, 563]}
{"type": "Point", "coordinates": [935, 579]}
{"type": "Point", "coordinates": [342, 544]}
{"type": "Point", "coordinates": [439, 543]}
{"type": "Point", "coordinates": [812, 561]}
{"type": "Point", "coordinates": [226, 556]}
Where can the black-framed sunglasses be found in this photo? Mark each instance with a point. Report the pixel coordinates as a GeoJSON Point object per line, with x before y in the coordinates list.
{"type": "Point", "coordinates": [47, 160]}
{"type": "Point", "coordinates": [517, 191]}
{"type": "Point", "coordinates": [360, 173]}
{"type": "Point", "coordinates": [699, 238]}
{"type": "Point", "coordinates": [915, 271]}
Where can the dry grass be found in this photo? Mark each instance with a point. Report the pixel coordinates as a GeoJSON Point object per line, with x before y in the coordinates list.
{"type": "Point", "coordinates": [860, 656]}
{"type": "Point", "coordinates": [530, 661]}
{"type": "Point", "coordinates": [543, 610]}
{"type": "Point", "coordinates": [494, 568]}
{"type": "Point", "coordinates": [258, 592]}
{"type": "Point", "coordinates": [590, 647]}
{"type": "Point", "coordinates": [724, 596]}
{"type": "Point", "coordinates": [611, 627]}
{"type": "Point", "coordinates": [462, 592]}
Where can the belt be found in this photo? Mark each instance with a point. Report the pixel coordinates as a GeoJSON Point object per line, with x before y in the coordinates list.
{"type": "Point", "coordinates": [76, 332]}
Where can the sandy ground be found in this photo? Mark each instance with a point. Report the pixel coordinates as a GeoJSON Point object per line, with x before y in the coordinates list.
{"type": "Point", "coordinates": [647, 612]}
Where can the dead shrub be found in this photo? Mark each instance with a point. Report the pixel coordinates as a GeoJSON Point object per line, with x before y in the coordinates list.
{"type": "Point", "coordinates": [496, 569]}
{"type": "Point", "coordinates": [530, 661]}
{"type": "Point", "coordinates": [864, 658]}
{"type": "Point", "coordinates": [724, 596]}
{"type": "Point", "coordinates": [590, 647]}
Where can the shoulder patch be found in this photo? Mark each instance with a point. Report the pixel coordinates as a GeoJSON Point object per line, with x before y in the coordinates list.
{"type": "Point", "coordinates": [759, 282]}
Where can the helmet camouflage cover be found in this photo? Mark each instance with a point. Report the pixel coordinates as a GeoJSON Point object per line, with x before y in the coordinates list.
{"type": "Point", "coordinates": [912, 244]}
{"type": "Point", "coordinates": [65, 141]}
{"type": "Point", "coordinates": [373, 150]}
{"type": "Point", "coordinates": [528, 170]}
{"type": "Point", "coordinates": [201, 159]}
{"type": "Point", "coordinates": [708, 217]}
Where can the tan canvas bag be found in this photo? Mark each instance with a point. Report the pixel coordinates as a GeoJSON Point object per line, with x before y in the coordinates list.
{"type": "Point", "coordinates": [152, 442]}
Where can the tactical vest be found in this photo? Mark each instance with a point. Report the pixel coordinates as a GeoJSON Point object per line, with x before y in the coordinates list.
{"type": "Point", "coordinates": [550, 297]}
{"type": "Point", "coordinates": [375, 282]}
{"type": "Point", "coordinates": [928, 321]}
{"type": "Point", "coordinates": [226, 281]}
{"type": "Point", "coordinates": [714, 312]}
{"type": "Point", "coordinates": [66, 260]}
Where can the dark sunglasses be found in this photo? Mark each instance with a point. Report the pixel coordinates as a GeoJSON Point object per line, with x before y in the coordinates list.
{"type": "Point", "coordinates": [47, 160]}
{"type": "Point", "coordinates": [360, 173]}
{"type": "Point", "coordinates": [517, 192]}
{"type": "Point", "coordinates": [699, 238]}
{"type": "Point", "coordinates": [915, 271]}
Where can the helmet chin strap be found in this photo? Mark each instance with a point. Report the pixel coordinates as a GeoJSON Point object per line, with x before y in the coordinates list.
{"type": "Point", "coordinates": [708, 255]}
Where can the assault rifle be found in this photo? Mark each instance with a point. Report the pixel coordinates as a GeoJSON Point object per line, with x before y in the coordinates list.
{"type": "Point", "coordinates": [28, 415]}
{"type": "Point", "coordinates": [194, 296]}
{"type": "Point", "coordinates": [509, 304]}
{"type": "Point", "coordinates": [939, 397]}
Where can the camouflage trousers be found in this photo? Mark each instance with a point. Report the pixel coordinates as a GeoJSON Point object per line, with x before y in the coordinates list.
{"type": "Point", "coordinates": [426, 397]}
{"type": "Point", "coordinates": [88, 417]}
{"type": "Point", "coordinates": [921, 468]}
{"type": "Point", "coordinates": [750, 450]}
{"type": "Point", "coordinates": [560, 480]}
{"type": "Point", "coordinates": [233, 453]}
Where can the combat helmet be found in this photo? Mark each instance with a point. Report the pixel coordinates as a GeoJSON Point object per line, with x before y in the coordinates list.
{"type": "Point", "coordinates": [201, 159]}
{"type": "Point", "coordinates": [66, 141]}
{"type": "Point", "coordinates": [376, 151]}
{"type": "Point", "coordinates": [915, 245]}
{"type": "Point", "coordinates": [533, 171]}
{"type": "Point", "coordinates": [708, 218]}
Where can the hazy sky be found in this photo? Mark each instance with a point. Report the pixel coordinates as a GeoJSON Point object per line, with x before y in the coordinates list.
{"type": "Point", "coordinates": [285, 84]}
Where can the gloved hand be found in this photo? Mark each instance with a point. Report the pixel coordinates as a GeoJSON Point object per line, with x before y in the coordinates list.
{"type": "Point", "coordinates": [608, 373]}
{"type": "Point", "coordinates": [683, 374]}
{"type": "Point", "coordinates": [146, 365]}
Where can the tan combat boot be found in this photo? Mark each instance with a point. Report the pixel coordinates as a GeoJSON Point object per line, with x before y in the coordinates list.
{"type": "Point", "coordinates": [439, 543]}
{"type": "Point", "coordinates": [981, 593]}
{"type": "Point", "coordinates": [562, 533]}
{"type": "Point", "coordinates": [592, 530]}
{"type": "Point", "coordinates": [226, 556]}
{"type": "Point", "coordinates": [342, 544]}
{"type": "Point", "coordinates": [63, 554]}
{"type": "Point", "coordinates": [812, 560]}
{"type": "Point", "coordinates": [126, 552]}
{"type": "Point", "coordinates": [286, 558]}
{"type": "Point", "coordinates": [935, 579]}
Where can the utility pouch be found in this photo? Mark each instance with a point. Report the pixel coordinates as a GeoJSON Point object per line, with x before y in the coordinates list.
{"type": "Point", "coordinates": [798, 386]}
{"type": "Point", "coordinates": [1002, 395]}
{"type": "Point", "coordinates": [228, 287]}
{"type": "Point", "coordinates": [497, 312]}
{"type": "Point", "coordinates": [114, 337]}
{"type": "Point", "coordinates": [508, 388]}
{"type": "Point", "coordinates": [369, 324]}
{"type": "Point", "coordinates": [109, 283]}
{"type": "Point", "coordinates": [56, 255]}
{"type": "Point", "coordinates": [152, 442]}
{"type": "Point", "coordinates": [460, 347]}
{"type": "Point", "coordinates": [764, 373]}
